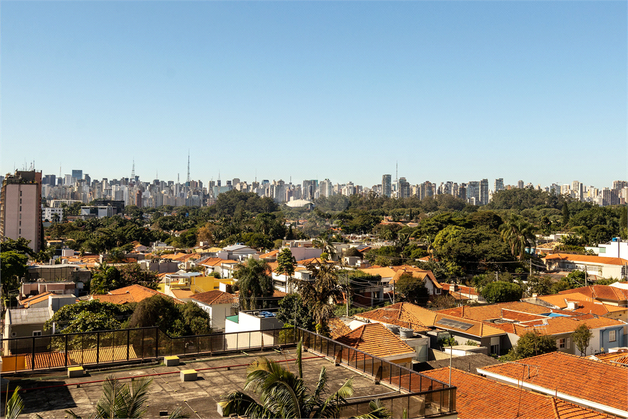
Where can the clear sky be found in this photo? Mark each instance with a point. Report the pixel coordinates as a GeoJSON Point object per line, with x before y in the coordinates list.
{"type": "Point", "coordinates": [450, 90]}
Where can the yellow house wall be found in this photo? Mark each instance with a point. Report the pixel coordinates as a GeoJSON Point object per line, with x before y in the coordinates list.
{"type": "Point", "coordinates": [207, 283]}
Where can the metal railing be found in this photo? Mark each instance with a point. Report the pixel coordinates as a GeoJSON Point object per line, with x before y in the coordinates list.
{"type": "Point", "coordinates": [119, 346]}
{"type": "Point", "coordinates": [419, 395]}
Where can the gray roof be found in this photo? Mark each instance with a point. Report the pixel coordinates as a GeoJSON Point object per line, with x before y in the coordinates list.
{"type": "Point", "coordinates": [29, 316]}
{"type": "Point", "coordinates": [469, 363]}
{"type": "Point", "coordinates": [235, 247]}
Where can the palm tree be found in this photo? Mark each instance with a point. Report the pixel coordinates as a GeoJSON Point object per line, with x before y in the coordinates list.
{"type": "Point", "coordinates": [123, 401]}
{"type": "Point", "coordinates": [320, 294]}
{"type": "Point", "coordinates": [254, 281]}
{"type": "Point", "coordinates": [283, 394]}
{"type": "Point", "coordinates": [519, 234]}
{"type": "Point", "coordinates": [14, 405]}
{"type": "Point", "coordinates": [325, 243]}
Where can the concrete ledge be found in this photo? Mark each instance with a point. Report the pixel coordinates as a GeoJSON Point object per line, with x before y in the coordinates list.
{"type": "Point", "coordinates": [171, 361]}
{"type": "Point", "coordinates": [74, 372]}
{"type": "Point", "coordinates": [188, 375]}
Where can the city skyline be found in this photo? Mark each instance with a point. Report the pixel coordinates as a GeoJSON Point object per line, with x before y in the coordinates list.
{"type": "Point", "coordinates": [449, 91]}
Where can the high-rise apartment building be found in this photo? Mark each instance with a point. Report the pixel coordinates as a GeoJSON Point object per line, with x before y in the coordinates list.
{"type": "Point", "coordinates": [484, 191]}
{"type": "Point", "coordinates": [387, 186]}
{"type": "Point", "coordinates": [404, 188]}
{"type": "Point", "coordinates": [499, 184]}
{"type": "Point", "coordinates": [20, 208]}
{"type": "Point", "coordinates": [473, 192]}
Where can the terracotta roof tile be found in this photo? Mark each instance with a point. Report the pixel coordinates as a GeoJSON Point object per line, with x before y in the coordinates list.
{"type": "Point", "coordinates": [376, 340]}
{"type": "Point", "coordinates": [601, 292]}
{"type": "Point", "coordinates": [131, 294]}
{"type": "Point", "coordinates": [587, 258]}
{"type": "Point", "coordinates": [478, 397]}
{"type": "Point", "coordinates": [215, 297]}
{"type": "Point", "coordinates": [35, 299]}
{"type": "Point", "coordinates": [416, 273]}
{"type": "Point", "coordinates": [572, 375]}
{"type": "Point", "coordinates": [494, 311]}
{"type": "Point", "coordinates": [337, 327]}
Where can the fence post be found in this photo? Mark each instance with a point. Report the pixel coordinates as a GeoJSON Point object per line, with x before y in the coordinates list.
{"type": "Point", "coordinates": [157, 342]}
{"type": "Point", "coordinates": [128, 343]}
{"type": "Point", "coordinates": [66, 350]}
{"type": "Point", "coordinates": [33, 353]}
{"type": "Point", "coordinates": [97, 347]}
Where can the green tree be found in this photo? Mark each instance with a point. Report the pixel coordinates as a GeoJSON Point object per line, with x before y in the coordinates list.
{"type": "Point", "coordinates": [581, 337]}
{"type": "Point", "coordinates": [566, 215]}
{"type": "Point", "coordinates": [320, 294]}
{"type": "Point", "coordinates": [540, 285]}
{"type": "Point", "coordinates": [255, 284]}
{"type": "Point", "coordinates": [132, 273]}
{"type": "Point", "coordinates": [105, 279]}
{"type": "Point", "coordinates": [412, 289]}
{"type": "Point", "coordinates": [174, 319]}
{"type": "Point", "coordinates": [293, 311]}
{"type": "Point", "coordinates": [12, 267]}
{"type": "Point", "coordinates": [519, 234]}
{"type": "Point", "coordinates": [286, 264]}
{"type": "Point", "coordinates": [88, 316]}
{"type": "Point", "coordinates": [283, 394]}
{"type": "Point", "coordinates": [500, 292]}
{"type": "Point", "coordinates": [531, 344]}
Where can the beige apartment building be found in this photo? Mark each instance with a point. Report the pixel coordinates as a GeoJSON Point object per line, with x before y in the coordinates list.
{"type": "Point", "coordinates": [20, 208]}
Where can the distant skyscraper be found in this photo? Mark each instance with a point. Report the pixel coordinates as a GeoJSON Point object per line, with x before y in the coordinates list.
{"type": "Point", "coordinates": [484, 191]}
{"type": "Point", "coordinates": [473, 192]}
{"type": "Point", "coordinates": [404, 188]}
{"type": "Point", "coordinates": [520, 184]}
{"type": "Point", "coordinates": [499, 184]}
{"type": "Point", "coordinates": [77, 174]}
{"type": "Point", "coordinates": [20, 208]}
{"type": "Point", "coordinates": [386, 186]}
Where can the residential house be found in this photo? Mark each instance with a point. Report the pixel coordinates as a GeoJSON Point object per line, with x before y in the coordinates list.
{"type": "Point", "coordinates": [605, 267]}
{"type": "Point", "coordinates": [437, 326]}
{"type": "Point", "coordinates": [577, 302]}
{"type": "Point", "coordinates": [20, 323]}
{"type": "Point", "coordinates": [131, 294]}
{"type": "Point", "coordinates": [579, 380]}
{"type": "Point", "coordinates": [518, 318]}
{"type": "Point", "coordinates": [483, 398]}
{"type": "Point", "coordinates": [219, 305]}
{"type": "Point", "coordinates": [237, 252]}
{"type": "Point", "coordinates": [376, 340]}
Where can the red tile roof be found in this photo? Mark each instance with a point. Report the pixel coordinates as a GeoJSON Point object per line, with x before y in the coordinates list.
{"type": "Point", "coordinates": [601, 292]}
{"type": "Point", "coordinates": [416, 273]}
{"type": "Point", "coordinates": [494, 311]}
{"type": "Point", "coordinates": [130, 294]}
{"type": "Point", "coordinates": [478, 397]}
{"type": "Point", "coordinates": [35, 299]}
{"type": "Point", "coordinates": [376, 340]}
{"type": "Point", "coordinates": [573, 376]}
{"type": "Point", "coordinates": [586, 259]}
{"type": "Point", "coordinates": [215, 297]}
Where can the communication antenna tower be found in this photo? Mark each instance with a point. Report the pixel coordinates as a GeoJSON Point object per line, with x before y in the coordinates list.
{"type": "Point", "coordinates": [188, 166]}
{"type": "Point", "coordinates": [133, 171]}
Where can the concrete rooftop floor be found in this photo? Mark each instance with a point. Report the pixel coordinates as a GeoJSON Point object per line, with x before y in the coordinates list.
{"type": "Point", "coordinates": [197, 398]}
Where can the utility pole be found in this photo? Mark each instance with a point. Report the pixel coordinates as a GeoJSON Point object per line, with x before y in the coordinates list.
{"type": "Point", "coordinates": [530, 266]}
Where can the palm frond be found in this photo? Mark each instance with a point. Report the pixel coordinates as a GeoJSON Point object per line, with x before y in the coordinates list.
{"type": "Point", "coordinates": [378, 411]}
{"type": "Point", "coordinates": [14, 405]}
{"type": "Point", "coordinates": [137, 398]}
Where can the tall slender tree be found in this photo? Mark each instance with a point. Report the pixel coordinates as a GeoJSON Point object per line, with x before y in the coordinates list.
{"type": "Point", "coordinates": [254, 282]}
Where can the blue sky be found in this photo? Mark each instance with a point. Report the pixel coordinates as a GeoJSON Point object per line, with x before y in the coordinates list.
{"type": "Point", "coordinates": [450, 90]}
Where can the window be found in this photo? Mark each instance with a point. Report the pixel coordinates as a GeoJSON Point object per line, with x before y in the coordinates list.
{"type": "Point", "coordinates": [561, 343]}
{"type": "Point", "coordinates": [36, 332]}
{"type": "Point", "coordinates": [612, 335]}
